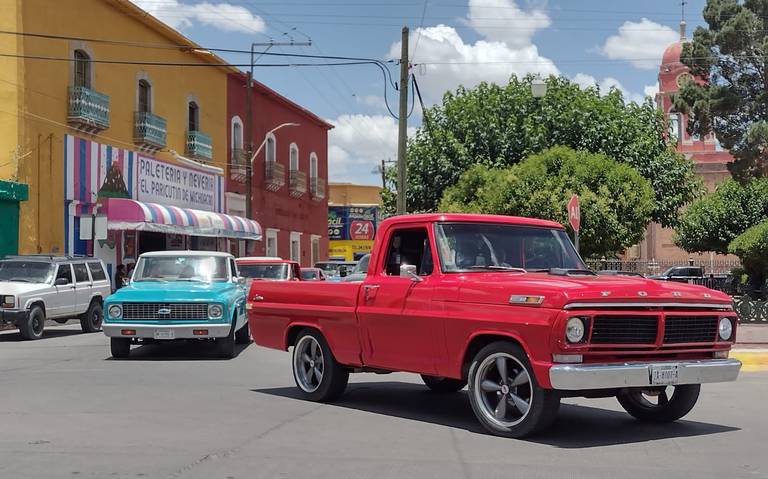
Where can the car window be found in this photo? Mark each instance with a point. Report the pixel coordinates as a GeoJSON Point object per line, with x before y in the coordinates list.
{"type": "Point", "coordinates": [65, 271]}
{"type": "Point", "coordinates": [233, 267]}
{"type": "Point", "coordinates": [97, 272]}
{"type": "Point", "coordinates": [409, 247]}
{"type": "Point", "coordinates": [81, 273]}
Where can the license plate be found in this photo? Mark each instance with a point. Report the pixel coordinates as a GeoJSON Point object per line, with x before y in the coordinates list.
{"type": "Point", "coordinates": [164, 334]}
{"type": "Point", "coordinates": [664, 374]}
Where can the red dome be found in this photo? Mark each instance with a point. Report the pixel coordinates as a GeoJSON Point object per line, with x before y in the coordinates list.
{"type": "Point", "coordinates": [672, 54]}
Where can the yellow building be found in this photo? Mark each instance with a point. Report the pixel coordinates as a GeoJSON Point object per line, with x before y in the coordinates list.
{"type": "Point", "coordinates": [95, 119]}
{"type": "Point", "coordinates": [353, 216]}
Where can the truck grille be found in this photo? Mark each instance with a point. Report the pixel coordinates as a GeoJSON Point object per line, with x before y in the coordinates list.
{"type": "Point", "coordinates": [690, 329]}
{"type": "Point", "coordinates": [624, 329]}
{"type": "Point", "coordinates": [178, 311]}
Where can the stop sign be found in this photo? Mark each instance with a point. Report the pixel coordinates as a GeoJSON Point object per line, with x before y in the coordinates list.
{"type": "Point", "coordinates": [574, 213]}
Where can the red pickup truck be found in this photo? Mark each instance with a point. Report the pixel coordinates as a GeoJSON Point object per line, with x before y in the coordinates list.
{"type": "Point", "coordinates": [507, 306]}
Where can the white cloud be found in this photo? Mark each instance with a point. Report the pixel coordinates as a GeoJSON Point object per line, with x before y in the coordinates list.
{"type": "Point", "coordinates": [450, 61]}
{"type": "Point", "coordinates": [640, 43]}
{"type": "Point", "coordinates": [651, 90]}
{"type": "Point", "coordinates": [604, 85]}
{"type": "Point", "coordinates": [503, 21]}
{"type": "Point", "coordinates": [223, 16]}
{"type": "Point", "coordinates": [357, 145]}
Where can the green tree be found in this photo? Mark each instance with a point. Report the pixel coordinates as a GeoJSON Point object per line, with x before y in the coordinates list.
{"type": "Point", "coordinates": [714, 221]}
{"type": "Point", "coordinates": [499, 125]}
{"type": "Point", "coordinates": [752, 249]}
{"type": "Point", "coordinates": [732, 55]}
{"type": "Point", "coordinates": [616, 201]}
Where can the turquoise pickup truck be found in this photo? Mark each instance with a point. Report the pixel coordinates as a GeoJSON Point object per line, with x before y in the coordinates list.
{"type": "Point", "coordinates": [179, 295]}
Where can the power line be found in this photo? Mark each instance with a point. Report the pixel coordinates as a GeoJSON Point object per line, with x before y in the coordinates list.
{"type": "Point", "coordinates": [418, 30]}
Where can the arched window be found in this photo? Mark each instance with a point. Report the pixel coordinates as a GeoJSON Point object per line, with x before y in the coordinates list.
{"type": "Point", "coordinates": [674, 127]}
{"type": "Point", "coordinates": [294, 157]}
{"type": "Point", "coordinates": [194, 116]}
{"type": "Point", "coordinates": [237, 133]}
{"type": "Point", "coordinates": [312, 167]}
{"type": "Point", "coordinates": [271, 148]}
{"type": "Point", "coordinates": [82, 69]}
{"type": "Point", "coordinates": [145, 96]}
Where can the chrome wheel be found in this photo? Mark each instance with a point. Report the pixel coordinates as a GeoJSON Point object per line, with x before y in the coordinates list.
{"type": "Point", "coordinates": [308, 364]}
{"type": "Point", "coordinates": [503, 389]}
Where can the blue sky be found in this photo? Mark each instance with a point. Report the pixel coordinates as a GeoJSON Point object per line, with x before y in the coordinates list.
{"type": "Point", "coordinates": [617, 43]}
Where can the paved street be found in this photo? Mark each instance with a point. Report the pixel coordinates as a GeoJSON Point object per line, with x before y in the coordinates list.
{"type": "Point", "coordinates": [69, 411]}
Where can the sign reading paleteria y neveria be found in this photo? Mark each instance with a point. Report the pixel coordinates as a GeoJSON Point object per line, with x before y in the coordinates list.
{"type": "Point", "coordinates": [170, 184]}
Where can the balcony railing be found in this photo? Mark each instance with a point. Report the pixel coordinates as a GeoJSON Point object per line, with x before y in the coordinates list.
{"type": "Point", "coordinates": [199, 145]}
{"type": "Point", "coordinates": [317, 188]}
{"type": "Point", "coordinates": [149, 131]}
{"type": "Point", "coordinates": [88, 109]}
{"type": "Point", "coordinates": [237, 164]}
{"type": "Point", "coordinates": [274, 175]}
{"type": "Point", "coordinates": [297, 183]}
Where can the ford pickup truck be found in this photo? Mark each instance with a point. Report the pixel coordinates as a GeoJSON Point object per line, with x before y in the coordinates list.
{"type": "Point", "coordinates": [506, 306]}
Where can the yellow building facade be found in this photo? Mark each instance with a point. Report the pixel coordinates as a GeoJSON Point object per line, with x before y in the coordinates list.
{"type": "Point", "coordinates": [82, 118]}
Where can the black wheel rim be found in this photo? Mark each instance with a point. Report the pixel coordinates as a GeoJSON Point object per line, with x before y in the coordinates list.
{"type": "Point", "coordinates": [96, 319]}
{"type": "Point", "coordinates": [37, 324]}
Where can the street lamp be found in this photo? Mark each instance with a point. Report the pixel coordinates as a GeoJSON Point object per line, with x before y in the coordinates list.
{"type": "Point", "coordinates": [538, 87]}
{"type": "Point", "coordinates": [249, 168]}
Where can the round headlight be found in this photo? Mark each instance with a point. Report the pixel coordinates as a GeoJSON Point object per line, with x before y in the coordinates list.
{"type": "Point", "coordinates": [215, 311]}
{"type": "Point", "coordinates": [725, 329]}
{"type": "Point", "coordinates": [115, 311]}
{"type": "Point", "coordinates": [574, 330]}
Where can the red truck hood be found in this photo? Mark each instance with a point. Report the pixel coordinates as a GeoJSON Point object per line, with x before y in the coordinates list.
{"type": "Point", "coordinates": [496, 288]}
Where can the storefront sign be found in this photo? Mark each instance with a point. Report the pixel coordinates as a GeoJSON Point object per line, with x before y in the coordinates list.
{"type": "Point", "coordinates": [352, 222]}
{"type": "Point", "coordinates": [347, 250]}
{"type": "Point", "coordinates": [168, 184]}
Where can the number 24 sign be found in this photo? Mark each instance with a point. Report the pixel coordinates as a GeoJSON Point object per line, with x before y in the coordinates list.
{"type": "Point", "coordinates": [361, 230]}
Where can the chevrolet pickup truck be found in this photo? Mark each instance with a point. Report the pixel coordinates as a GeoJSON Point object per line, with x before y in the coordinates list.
{"type": "Point", "coordinates": [506, 306]}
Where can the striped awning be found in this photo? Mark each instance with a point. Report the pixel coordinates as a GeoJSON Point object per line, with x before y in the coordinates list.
{"type": "Point", "coordinates": [125, 214]}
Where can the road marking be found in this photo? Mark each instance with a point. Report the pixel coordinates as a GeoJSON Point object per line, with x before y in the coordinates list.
{"type": "Point", "coordinates": [751, 359]}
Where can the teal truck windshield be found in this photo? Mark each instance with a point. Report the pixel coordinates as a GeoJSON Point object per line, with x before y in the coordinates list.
{"type": "Point", "coordinates": [181, 268]}
{"type": "Point", "coordinates": [478, 246]}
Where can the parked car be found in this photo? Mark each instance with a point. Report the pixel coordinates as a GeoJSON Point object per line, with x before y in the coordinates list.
{"type": "Point", "coordinates": [359, 271]}
{"type": "Point", "coordinates": [615, 272]}
{"type": "Point", "coordinates": [268, 269]}
{"type": "Point", "coordinates": [312, 274]}
{"type": "Point", "coordinates": [179, 295]}
{"type": "Point", "coordinates": [39, 287]}
{"type": "Point", "coordinates": [680, 274]}
{"type": "Point", "coordinates": [506, 306]}
{"type": "Point", "coordinates": [335, 270]}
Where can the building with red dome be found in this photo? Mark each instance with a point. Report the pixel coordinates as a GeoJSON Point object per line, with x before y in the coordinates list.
{"type": "Point", "coordinates": [709, 159]}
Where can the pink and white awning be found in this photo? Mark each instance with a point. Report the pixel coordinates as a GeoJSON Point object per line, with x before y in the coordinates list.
{"type": "Point", "coordinates": [125, 214]}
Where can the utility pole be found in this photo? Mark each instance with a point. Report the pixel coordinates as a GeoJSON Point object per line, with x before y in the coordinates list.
{"type": "Point", "coordinates": [402, 130]}
{"type": "Point", "coordinates": [249, 117]}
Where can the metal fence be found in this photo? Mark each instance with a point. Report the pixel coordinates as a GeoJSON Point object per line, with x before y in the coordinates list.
{"type": "Point", "coordinates": [750, 310]}
{"type": "Point", "coordinates": [652, 266]}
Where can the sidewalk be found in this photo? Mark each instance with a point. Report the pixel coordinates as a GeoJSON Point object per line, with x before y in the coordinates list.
{"type": "Point", "coordinates": [752, 346]}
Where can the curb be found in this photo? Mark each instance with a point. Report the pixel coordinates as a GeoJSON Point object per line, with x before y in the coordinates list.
{"type": "Point", "coordinates": [751, 359]}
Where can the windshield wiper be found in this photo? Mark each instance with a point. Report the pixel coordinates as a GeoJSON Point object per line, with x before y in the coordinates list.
{"type": "Point", "coordinates": [151, 279]}
{"type": "Point", "coordinates": [21, 280]}
{"type": "Point", "coordinates": [195, 280]}
{"type": "Point", "coordinates": [500, 268]}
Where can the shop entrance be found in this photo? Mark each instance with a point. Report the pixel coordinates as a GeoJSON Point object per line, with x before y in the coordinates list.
{"type": "Point", "coordinates": [151, 241]}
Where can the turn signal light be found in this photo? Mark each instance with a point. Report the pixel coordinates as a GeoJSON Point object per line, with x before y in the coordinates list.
{"type": "Point", "coordinates": [720, 354]}
{"type": "Point", "coordinates": [128, 332]}
{"type": "Point", "coordinates": [200, 332]}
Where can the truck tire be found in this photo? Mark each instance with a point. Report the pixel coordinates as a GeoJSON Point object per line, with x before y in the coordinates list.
{"type": "Point", "coordinates": [504, 394]}
{"type": "Point", "coordinates": [226, 346]}
{"type": "Point", "coordinates": [443, 385]}
{"type": "Point", "coordinates": [32, 327]}
{"type": "Point", "coordinates": [317, 374]}
{"type": "Point", "coordinates": [120, 347]}
{"type": "Point", "coordinates": [659, 407]}
{"type": "Point", "coordinates": [243, 335]}
{"type": "Point", "coordinates": [90, 322]}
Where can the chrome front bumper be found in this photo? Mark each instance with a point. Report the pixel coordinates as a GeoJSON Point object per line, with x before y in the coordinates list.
{"type": "Point", "coordinates": [180, 331]}
{"type": "Point", "coordinates": [576, 377]}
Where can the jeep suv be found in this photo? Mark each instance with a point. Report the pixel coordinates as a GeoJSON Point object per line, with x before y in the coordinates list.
{"type": "Point", "coordinates": [38, 287]}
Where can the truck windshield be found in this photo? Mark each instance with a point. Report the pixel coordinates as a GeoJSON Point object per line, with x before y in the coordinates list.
{"type": "Point", "coordinates": [264, 270]}
{"type": "Point", "coordinates": [26, 271]}
{"type": "Point", "coordinates": [478, 246]}
{"type": "Point", "coordinates": [181, 268]}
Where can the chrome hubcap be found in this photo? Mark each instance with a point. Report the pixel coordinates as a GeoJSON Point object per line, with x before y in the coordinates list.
{"type": "Point", "coordinates": [503, 390]}
{"type": "Point", "coordinates": [308, 364]}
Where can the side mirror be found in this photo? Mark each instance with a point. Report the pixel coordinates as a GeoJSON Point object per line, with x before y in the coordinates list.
{"type": "Point", "coordinates": [342, 271]}
{"type": "Point", "coordinates": [409, 271]}
{"type": "Point", "coordinates": [61, 282]}
{"type": "Point", "coordinates": [241, 280]}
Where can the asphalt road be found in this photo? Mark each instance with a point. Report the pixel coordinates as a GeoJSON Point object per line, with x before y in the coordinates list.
{"type": "Point", "coordinates": [69, 411]}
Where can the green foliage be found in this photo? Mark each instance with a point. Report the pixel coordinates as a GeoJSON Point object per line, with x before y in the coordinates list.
{"type": "Point", "coordinates": [732, 55]}
{"type": "Point", "coordinates": [499, 125]}
{"type": "Point", "coordinates": [616, 201]}
{"type": "Point", "coordinates": [752, 248]}
{"type": "Point", "coordinates": [712, 222]}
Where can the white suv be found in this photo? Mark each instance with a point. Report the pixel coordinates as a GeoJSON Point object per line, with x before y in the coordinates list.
{"type": "Point", "coordinates": [38, 287]}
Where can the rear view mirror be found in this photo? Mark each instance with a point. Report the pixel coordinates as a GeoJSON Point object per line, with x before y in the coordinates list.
{"type": "Point", "coordinates": [241, 280]}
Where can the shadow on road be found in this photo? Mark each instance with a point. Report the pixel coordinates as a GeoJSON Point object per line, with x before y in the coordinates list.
{"type": "Point", "coordinates": [52, 333]}
{"type": "Point", "coordinates": [576, 426]}
{"type": "Point", "coordinates": [178, 351]}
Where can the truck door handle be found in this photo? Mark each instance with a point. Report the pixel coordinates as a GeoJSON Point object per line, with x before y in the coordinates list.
{"type": "Point", "coordinates": [369, 291]}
